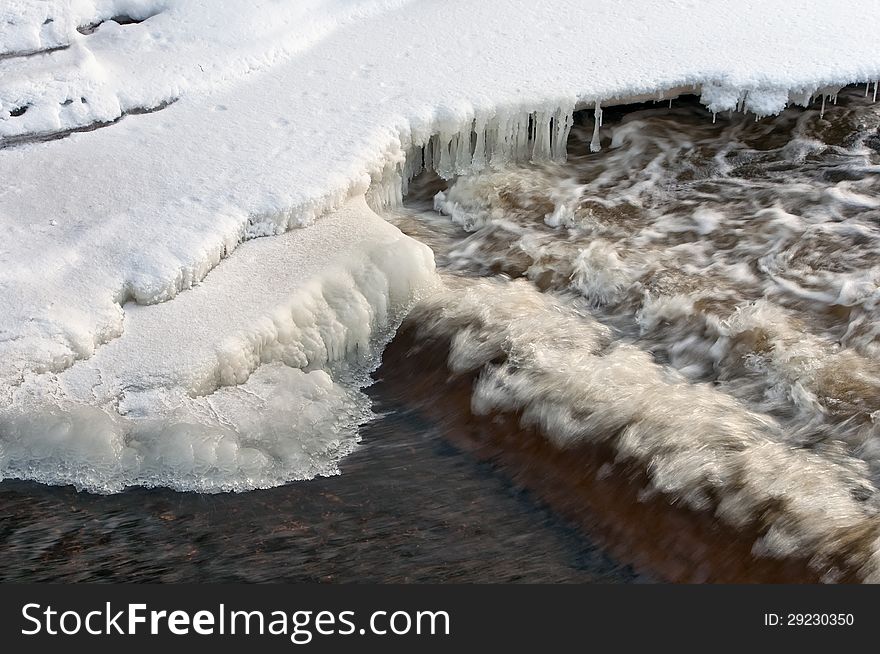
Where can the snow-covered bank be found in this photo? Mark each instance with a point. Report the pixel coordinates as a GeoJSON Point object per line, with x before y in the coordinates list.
{"type": "Point", "coordinates": [70, 64]}
{"type": "Point", "coordinates": [281, 114]}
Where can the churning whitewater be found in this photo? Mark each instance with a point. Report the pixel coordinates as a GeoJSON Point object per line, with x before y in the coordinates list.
{"type": "Point", "coordinates": [701, 295]}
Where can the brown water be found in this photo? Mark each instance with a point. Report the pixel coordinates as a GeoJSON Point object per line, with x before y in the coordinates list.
{"type": "Point", "coordinates": [701, 298]}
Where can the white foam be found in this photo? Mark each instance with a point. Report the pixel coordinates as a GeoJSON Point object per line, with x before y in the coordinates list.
{"type": "Point", "coordinates": [696, 444]}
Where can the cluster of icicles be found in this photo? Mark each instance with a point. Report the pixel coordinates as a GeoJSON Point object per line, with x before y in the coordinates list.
{"type": "Point", "coordinates": [521, 135]}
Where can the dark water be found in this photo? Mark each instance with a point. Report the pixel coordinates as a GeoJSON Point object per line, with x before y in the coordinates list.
{"type": "Point", "coordinates": [408, 507]}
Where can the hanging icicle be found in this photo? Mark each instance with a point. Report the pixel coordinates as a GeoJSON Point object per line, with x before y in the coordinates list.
{"type": "Point", "coordinates": [595, 145]}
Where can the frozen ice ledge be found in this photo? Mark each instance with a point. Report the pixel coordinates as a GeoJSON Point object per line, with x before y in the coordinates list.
{"type": "Point", "coordinates": [248, 380]}
{"type": "Point", "coordinates": [141, 151]}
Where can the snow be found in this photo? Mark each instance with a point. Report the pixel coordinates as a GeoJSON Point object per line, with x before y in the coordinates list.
{"type": "Point", "coordinates": [207, 124]}
{"type": "Point", "coordinates": [173, 48]}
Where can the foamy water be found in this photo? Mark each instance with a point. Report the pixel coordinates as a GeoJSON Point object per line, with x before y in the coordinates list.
{"type": "Point", "coordinates": [701, 295]}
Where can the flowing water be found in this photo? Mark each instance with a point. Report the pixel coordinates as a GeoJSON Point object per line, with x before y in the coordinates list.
{"type": "Point", "coordinates": [702, 295]}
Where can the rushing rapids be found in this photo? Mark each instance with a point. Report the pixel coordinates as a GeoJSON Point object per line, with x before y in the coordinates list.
{"type": "Point", "coordinates": [701, 296]}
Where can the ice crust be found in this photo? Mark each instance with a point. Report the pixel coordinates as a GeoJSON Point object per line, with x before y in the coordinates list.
{"type": "Point", "coordinates": [207, 394]}
{"type": "Point", "coordinates": [136, 154]}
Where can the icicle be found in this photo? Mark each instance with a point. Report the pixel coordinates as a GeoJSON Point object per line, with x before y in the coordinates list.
{"type": "Point", "coordinates": [502, 142]}
{"type": "Point", "coordinates": [397, 187]}
{"type": "Point", "coordinates": [427, 151]}
{"type": "Point", "coordinates": [875, 90]}
{"type": "Point", "coordinates": [595, 145]}
{"type": "Point", "coordinates": [519, 138]}
{"type": "Point", "coordinates": [670, 103]}
{"type": "Point", "coordinates": [464, 156]}
{"type": "Point", "coordinates": [555, 128]}
{"type": "Point", "coordinates": [513, 138]}
{"type": "Point", "coordinates": [822, 110]}
{"type": "Point", "coordinates": [541, 142]}
{"type": "Point", "coordinates": [448, 144]}
{"type": "Point", "coordinates": [508, 152]}
{"type": "Point", "coordinates": [441, 157]}
{"type": "Point", "coordinates": [507, 139]}
{"type": "Point", "coordinates": [562, 121]}
{"type": "Point", "coordinates": [494, 138]}
{"type": "Point", "coordinates": [479, 158]}
{"type": "Point", "coordinates": [435, 153]}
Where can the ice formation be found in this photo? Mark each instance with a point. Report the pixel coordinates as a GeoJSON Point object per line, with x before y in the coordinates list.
{"type": "Point", "coordinates": [142, 141]}
{"type": "Point", "coordinates": [206, 394]}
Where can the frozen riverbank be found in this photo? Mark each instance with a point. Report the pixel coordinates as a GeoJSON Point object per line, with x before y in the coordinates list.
{"type": "Point", "coordinates": [250, 123]}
